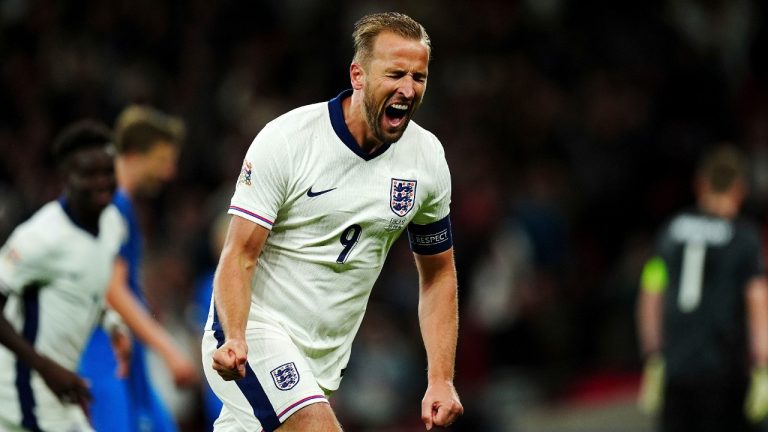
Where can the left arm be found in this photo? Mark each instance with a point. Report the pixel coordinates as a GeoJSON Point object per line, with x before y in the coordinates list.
{"type": "Point", "coordinates": [439, 322]}
{"type": "Point", "coordinates": [147, 329]}
{"type": "Point", "coordinates": [756, 402]}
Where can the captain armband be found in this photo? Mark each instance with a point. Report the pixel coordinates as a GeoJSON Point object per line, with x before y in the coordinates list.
{"type": "Point", "coordinates": [432, 238]}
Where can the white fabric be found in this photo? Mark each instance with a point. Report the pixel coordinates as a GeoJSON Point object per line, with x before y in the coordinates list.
{"type": "Point", "coordinates": [269, 348]}
{"type": "Point", "coordinates": [73, 268]}
{"type": "Point", "coordinates": [298, 282]}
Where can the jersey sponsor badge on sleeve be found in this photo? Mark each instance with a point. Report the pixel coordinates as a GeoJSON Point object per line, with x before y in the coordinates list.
{"type": "Point", "coordinates": [245, 173]}
{"type": "Point", "coordinates": [402, 196]}
{"type": "Point", "coordinates": [12, 256]}
{"type": "Point", "coordinates": [285, 376]}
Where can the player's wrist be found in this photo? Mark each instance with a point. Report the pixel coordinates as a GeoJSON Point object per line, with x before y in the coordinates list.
{"type": "Point", "coordinates": [655, 360]}
{"type": "Point", "coordinates": [439, 379]}
{"type": "Point", "coordinates": [652, 355]}
{"type": "Point", "coordinates": [758, 362]}
{"type": "Point", "coordinates": [234, 333]}
{"type": "Point", "coordinates": [235, 339]}
{"type": "Point", "coordinates": [39, 363]}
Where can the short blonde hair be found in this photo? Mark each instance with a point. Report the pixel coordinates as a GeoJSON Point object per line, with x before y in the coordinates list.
{"type": "Point", "coordinates": [139, 127]}
{"type": "Point", "coordinates": [370, 26]}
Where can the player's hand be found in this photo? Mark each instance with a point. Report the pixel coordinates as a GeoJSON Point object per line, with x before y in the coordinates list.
{"type": "Point", "coordinates": [185, 373]}
{"type": "Point", "coordinates": [67, 385]}
{"type": "Point", "coordinates": [229, 360]}
{"type": "Point", "coordinates": [756, 403]}
{"type": "Point", "coordinates": [122, 346]}
{"type": "Point", "coordinates": [441, 405]}
{"type": "Point", "coordinates": [652, 386]}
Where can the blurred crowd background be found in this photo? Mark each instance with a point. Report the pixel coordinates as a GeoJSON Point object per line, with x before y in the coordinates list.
{"type": "Point", "coordinates": [571, 129]}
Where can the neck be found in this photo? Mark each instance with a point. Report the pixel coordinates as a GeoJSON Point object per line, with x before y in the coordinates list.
{"type": "Point", "coordinates": [127, 179]}
{"type": "Point", "coordinates": [87, 220]}
{"type": "Point", "coordinates": [721, 205]}
{"type": "Point", "coordinates": [357, 124]}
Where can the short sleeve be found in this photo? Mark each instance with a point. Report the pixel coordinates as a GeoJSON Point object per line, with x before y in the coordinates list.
{"type": "Point", "coordinates": [430, 230]}
{"type": "Point", "coordinates": [262, 183]}
{"type": "Point", "coordinates": [438, 200]}
{"type": "Point", "coordinates": [23, 261]}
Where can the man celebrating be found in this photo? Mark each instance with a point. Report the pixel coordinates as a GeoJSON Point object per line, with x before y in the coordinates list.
{"type": "Point", "coordinates": [324, 192]}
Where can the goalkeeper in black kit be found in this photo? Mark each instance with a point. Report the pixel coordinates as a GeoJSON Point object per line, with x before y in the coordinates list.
{"type": "Point", "coordinates": [703, 310]}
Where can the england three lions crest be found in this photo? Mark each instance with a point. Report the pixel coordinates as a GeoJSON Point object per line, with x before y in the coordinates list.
{"type": "Point", "coordinates": [286, 376]}
{"type": "Point", "coordinates": [402, 195]}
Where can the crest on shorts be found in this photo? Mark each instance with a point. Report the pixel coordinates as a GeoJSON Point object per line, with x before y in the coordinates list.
{"type": "Point", "coordinates": [245, 173]}
{"type": "Point", "coordinates": [402, 194]}
{"type": "Point", "coordinates": [286, 376]}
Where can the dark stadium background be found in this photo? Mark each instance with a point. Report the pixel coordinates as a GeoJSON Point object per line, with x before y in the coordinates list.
{"type": "Point", "coordinates": [571, 129]}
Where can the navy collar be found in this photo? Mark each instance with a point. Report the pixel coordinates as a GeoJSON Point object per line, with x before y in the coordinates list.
{"type": "Point", "coordinates": [64, 202]}
{"type": "Point", "coordinates": [342, 131]}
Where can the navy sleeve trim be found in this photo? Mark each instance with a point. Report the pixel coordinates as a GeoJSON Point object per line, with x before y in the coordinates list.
{"type": "Point", "coordinates": [432, 238]}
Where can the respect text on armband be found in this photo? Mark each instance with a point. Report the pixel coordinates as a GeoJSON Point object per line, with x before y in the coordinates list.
{"type": "Point", "coordinates": [431, 239]}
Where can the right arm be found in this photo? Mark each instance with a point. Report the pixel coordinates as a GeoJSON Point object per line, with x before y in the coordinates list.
{"type": "Point", "coordinates": [67, 385]}
{"type": "Point", "coordinates": [23, 261]}
{"type": "Point", "coordinates": [653, 283]}
{"type": "Point", "coordinates": [649, 322]}
{"type": "Point", "coordinates": [756, 402]}
{"type": "Point", "coordinates": [757, 320]}
{"type": "Point", "coordinates": [232, 293]}
{"type": "Point", "coordinates": [650, 305]}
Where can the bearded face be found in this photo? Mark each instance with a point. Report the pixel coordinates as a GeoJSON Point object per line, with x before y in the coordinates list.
{"type": "Point", "coordinates": [387, 120]}
{"type": "Point", "coordinates": [394, 85]}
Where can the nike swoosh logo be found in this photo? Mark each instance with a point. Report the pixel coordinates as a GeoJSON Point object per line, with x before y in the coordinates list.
{"type": "Point", "coordinates": [314, 194]}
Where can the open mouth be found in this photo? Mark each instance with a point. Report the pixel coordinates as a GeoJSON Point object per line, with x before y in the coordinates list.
{"type": "Point", "coordinates": [102, 195]}
{"type": "Point", "coordinates": [395, 113]}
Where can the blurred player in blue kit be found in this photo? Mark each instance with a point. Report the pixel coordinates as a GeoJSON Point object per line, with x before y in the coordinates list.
{"type": "Point", "coordinates": [703, 310]}
{"type": "Point", "coordinates": [324, 192]}
{"type": "Point", "coordinates": [54, 272]}
{"type": "Point", "coordinates": [147, 143]}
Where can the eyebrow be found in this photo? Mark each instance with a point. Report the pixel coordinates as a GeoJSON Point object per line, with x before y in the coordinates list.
{"type": "Point", "coordinates": [404, 71]}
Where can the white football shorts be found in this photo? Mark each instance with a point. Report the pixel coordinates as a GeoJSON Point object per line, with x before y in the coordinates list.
{"type": "Point", "coordinates": [278, 381]}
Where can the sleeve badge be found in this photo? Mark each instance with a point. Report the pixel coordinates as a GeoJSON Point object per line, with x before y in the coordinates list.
{"type": "Point", "coordinates": [245, 173]}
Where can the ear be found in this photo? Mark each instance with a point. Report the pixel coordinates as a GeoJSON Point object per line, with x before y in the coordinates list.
{"type": "Point", "coordinates": [740, 189]}
{"type": "Point", "coordinates": [356, 76]}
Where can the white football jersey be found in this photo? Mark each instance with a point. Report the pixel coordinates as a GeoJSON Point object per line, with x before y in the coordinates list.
{"type": "Point", "coordinates": [334, 212]}
{"type": "Point", "coordinates": [55, 275]}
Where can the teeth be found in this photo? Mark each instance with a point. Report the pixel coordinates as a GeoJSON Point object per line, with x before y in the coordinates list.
{"type": "Point", "coordinates": [400, 106]}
